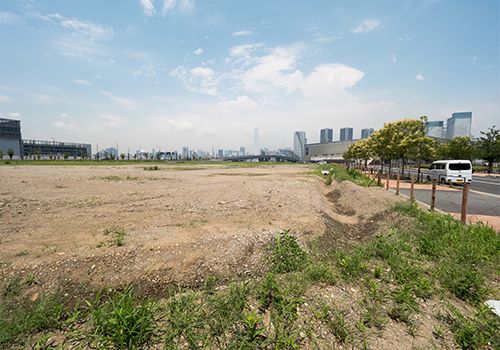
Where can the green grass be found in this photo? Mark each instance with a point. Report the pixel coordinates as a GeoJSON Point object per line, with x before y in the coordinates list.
{"type": "Point", "coordinates": [424, 256]}
{"type": "Point", "coordinates": [342, 174]}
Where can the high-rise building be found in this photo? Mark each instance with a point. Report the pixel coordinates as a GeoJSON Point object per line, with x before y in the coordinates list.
{"type": "Point", "coordinates": [242, 151]}
{"type": "Point", "coordinates": [256, 141]}
{"type": "Point", "coordinates": [434, 129]}
{"type": "Point", "coordinates": [185, 152]}
{"type": "Point", "coordinates": [299, 141]}
{"type": "Point", "coordinates": [365, 133]}
{"type": "Point", "coordinates": [459, 125]}
{"type": "Point", "coordinates": [220, 153]}
{"type": "Point", "coordinates": [346, 134]}
{"type": "Point", "coordinates": [326, 135]}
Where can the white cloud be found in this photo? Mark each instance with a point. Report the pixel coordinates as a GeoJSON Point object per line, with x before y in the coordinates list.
{"type": "Point", "coordinates": [198, 52]}
{"type": "Point", "coordinates": [121, 101]}
{"type": "Point", "coordinates": [4, 98]}
{"type": "Point", "coordinates": [242, 102]}
{"type": "Point", "coordinates": [93, 31]}
{"type": "Point", "coordinates": [148, 71]}
{"type": "Point", "coordinates": [83, 82]}
{"type": "Point", "coordinates": [242, 32]}
{"type": "Point", "coordinates": [11, 115]}
{"type": "Point", "coordinates": [330, 81]}
{"type": "Point", "coordinates": [406, 37]}
{"type": "Point", "coordinates": [65, 126]}
{"type": "Point", "coordinates": [420, 76]}
{"type": "Point", "coordinates": [147, 7]}
{"type": "Point", "coordinates": [394, 57]}
{"type": "Point", "coordinates": [79, 48]}
{"type": "Point", "coordinates": [198, 79]}
{"type": "Point", "coordinates": [327, 39]}
{"type": "Point", "coordinates": [10, 18]}
{"type": "Point", "coordinates": [367, 26]}
{"type": "Point", "coordinates": [184, 6]}
{"type": "Point", "coordinates": [181, 126]}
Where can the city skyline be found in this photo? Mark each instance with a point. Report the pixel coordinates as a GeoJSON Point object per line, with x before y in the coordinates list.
{"type": "Point", "coordinates": [175, 73]}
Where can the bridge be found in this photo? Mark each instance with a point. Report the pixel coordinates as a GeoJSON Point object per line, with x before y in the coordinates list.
{"type": "Point", "coordinates": [261, 158]}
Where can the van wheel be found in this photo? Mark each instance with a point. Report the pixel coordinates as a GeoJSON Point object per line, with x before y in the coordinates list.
{"type": "Point", "coordinates": [443, 181]}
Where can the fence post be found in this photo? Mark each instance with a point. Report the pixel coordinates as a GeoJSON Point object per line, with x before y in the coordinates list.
{"type": "Point", "coordinates": [412, 186]}
{"type": "Point", "coordinates": [379, 180]}
{"type": "Point", "coordinates": [397, 186]}
{"type": "Point", "coordinates": [388, 174]}
{"type": "Point", "coordinates": [465, 197]}
{"type": "Point", "coordinates": [433, 196]}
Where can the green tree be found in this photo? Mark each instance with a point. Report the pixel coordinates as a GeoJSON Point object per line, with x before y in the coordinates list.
{"type": "Point", "coordinates": [38, 154]}
{"type": "Point", "coordinates": [51, 155]}
{"type": "Point", "coordinates": [381, 145]}
{"type": "Point", "coordinates": [488, 146]}
{"type": "Point", "coordinates": [31, 154]}
{"type": "Point", "coordinates": [97, 156]}
{"type": "Point", "coordinates": [146, 154]}
{"type": "Point", "coordinates": [135, 156]}
{"type": "Point", "coordinates": [458, 148]}
{"type": "Point", "coordinates": [10, 153]}
{"type": "Point", "coordinates": [2, 154]}
{"type": "Point", "coordinates": [122, 156]}
{"type": "Point", "coordinates": [66, 156]}
{"type": "Point", "coordinates": [158, 156]}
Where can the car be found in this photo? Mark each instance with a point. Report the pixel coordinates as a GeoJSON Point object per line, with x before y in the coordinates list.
{"type": "Point", "coordinates": [456, 172]}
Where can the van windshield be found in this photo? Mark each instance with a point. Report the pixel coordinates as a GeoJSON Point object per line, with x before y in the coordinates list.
{"type": "Point", "coordinates": [459, 166]}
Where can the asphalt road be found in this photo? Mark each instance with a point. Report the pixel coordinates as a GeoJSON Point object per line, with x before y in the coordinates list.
{"type": "Point", "coordinates": [480, 183]}
{"type": "Point", "coordinates": [451, 201]}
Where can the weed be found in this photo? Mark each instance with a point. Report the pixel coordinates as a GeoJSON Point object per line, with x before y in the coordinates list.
{"type": "Point", "coordinates": [285, 254]}
{"type": "Point", "coordinates": [111, 178]}
{"type": "Point", "coordinates": [121, 321]}
{"type": "Point", "coordinates": [23, 252]}
{"type": "Point", "coordinates": [334, 318]}
{"type": "Point", "coordinates": [151, 168]}
{"type": "Point", "coordinates": [117, 237]}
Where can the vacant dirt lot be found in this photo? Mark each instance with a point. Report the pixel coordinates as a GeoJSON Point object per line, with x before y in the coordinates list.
{"type": "Point", "coordinates": [61, 224]}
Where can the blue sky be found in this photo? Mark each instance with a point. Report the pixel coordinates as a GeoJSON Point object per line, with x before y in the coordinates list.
{"type": "Point", "coordinates": [174, 73]}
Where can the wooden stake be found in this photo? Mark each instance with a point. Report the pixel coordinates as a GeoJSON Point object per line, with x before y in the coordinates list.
{"type": "Point", "coordinates": [412, 186]}
{"type": "Point", "coordinates": [379, 180]}
{"type": "Point", "coordinates": [397, 186]}
{"type": "Point", "coordinates": [388, 174]}
{"type": "Point", "coordinates": [465, 197]}
{"type": "Point", "coordinates": [376, 175]}
{"type": "Point", "coordinates": [433, 196]}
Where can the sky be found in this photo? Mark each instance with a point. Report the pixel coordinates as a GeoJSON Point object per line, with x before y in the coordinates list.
{"type": "Point", "coordinates": [166, 74]}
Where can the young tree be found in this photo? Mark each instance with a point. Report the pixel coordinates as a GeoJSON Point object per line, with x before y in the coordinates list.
{"type": "Point", "coordinates": [135, 156]}
{"type": "Point", "coordinates": [38, 154]}
{"type": "Point", "coordinates": [381, 145]}
{"type": "Point", "coordinates": [10, 153]}
{"type": "Point", "coordinates": [2, 154]}
{"type": "Point", "coordinates": [458, 148]}
{"type": "Point", "coordinates": [31, 154]}
{"type": "Point", "coordinates": [66, 156]}
{"type": "Point", "coordinates": [146, 154]}
{"type": "Point", "coordinates": [489, 146]}
{"type": "Point", "coordinates": [122, 156]}
{"type": "Point", "coordinates": [51, 155]}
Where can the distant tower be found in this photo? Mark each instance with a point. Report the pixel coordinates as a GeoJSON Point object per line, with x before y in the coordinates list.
{"type": "Point", "coordinates": [299, 141]}
{"type": "Point", "coordinates": [256, 142]}
{"type": "Point", "coordinates": [459, 125]}
{"type": "Point", "coordinates": [365, 133]}
{"type": "Point", "coordinates": [242, 151]}
{"type": "Point", "coordinates": [326, 135]}
{"type": "Point", "coordinates": [345, 134]}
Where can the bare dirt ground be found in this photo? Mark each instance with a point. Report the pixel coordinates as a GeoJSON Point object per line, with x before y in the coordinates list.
{"type": "Point", "coordinates": [183, 223]}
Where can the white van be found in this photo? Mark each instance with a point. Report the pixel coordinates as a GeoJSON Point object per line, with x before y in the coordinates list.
{"type": "Point", "coordinates": [450, 171]}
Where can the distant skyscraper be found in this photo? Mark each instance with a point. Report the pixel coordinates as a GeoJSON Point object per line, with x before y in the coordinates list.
{"type": "Point", "coordinates": [326, 135]}
{"type": "Point", "coordinates": [185, 152]}
{"type": "Point", "coordinates": [345, 134]}
{"type": "Point", "coordinates": [299, 141]}
{"type": "Point", "coordinates": [256, 141]}
{"type": "Point", "coordinates": [242, 151]}
{"type": "Point", "coordinates": [434, 129]}
{"type": "Point", "coordinates": [365, 133]}
{"type": "Point", "coordinates": [459, 125]}
{"type": "Point", "coordinates": [220, 153]}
